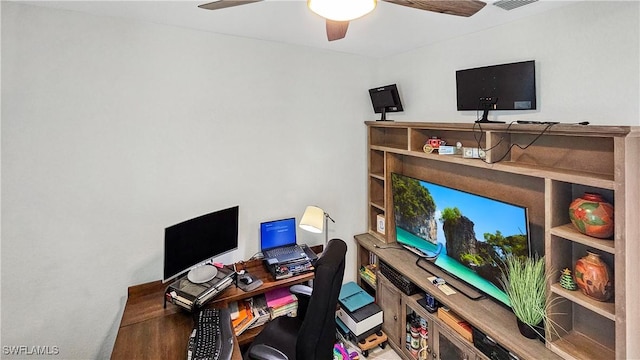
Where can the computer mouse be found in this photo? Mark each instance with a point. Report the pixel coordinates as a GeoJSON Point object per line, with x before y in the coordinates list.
{"type": "Point", "coordinates": [246, 280]}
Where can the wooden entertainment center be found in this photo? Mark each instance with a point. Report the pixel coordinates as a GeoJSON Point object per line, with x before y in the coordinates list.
{"type": "Point", "coordinates": [558, 165]}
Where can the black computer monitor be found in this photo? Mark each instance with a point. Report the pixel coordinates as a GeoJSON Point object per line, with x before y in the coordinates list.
{"type": "Point", "coordinates": [191, 243]}
{"type": "Point", "coordinates": [385, 99]}
{"type": "Point", "coordinates": [498, 87]}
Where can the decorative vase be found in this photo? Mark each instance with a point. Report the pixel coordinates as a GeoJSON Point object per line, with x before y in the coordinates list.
{"type": "Point", "coordinates": [592, 215]}
{"type": "Point", "coordinates": [593, 277]}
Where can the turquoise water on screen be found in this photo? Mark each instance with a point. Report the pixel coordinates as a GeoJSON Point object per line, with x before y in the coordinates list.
{"type": "Point", "coordinates": [452, 266]}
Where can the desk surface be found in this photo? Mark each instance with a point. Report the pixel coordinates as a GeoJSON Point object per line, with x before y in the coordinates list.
{"type": "Point", "coordinates": [150, 331]}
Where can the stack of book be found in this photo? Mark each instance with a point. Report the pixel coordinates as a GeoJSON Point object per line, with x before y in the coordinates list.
{"type": "Point", "coordinates": [242, 316]}
{"type": "Point", "coordinates": [368, 274]}
{"type": "Point", "coordinates": [191, 296]}
{"type": "Point", "coordinates": [281, 303]}
{"type": "Point", "coordinates": [260, 311]}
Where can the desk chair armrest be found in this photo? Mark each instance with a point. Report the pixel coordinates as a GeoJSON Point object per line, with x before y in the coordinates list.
{"type": "Point", "coordinates": [266, 352]}
{"type": "Point", "coordinates": [301, 290]}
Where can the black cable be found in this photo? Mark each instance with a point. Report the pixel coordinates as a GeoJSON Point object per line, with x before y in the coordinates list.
{"type": "Point", "coordinates": [432, 260]}
{"type": "Point", "coordinates": [479, 140]}
{"type": "Point", "coordinates": [387, 247]}
{"type": "Point", "coordinates": [549, 125]}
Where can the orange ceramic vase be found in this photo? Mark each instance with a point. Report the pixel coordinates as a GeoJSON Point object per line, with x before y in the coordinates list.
{"type": "Point", "coordinates": [592, 215]}
{"type": "Point", "coordinates": [593, 277]}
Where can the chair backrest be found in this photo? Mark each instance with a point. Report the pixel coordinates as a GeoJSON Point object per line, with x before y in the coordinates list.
{"type": "Point", "coordinates": [318, 331]}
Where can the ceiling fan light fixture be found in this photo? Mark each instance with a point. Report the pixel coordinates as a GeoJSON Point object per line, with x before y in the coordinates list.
{"type": "Point", "coordinates": [341, 10]}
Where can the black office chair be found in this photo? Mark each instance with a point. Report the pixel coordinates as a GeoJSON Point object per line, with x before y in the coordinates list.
{"type": "Point", "coordinates": [311, 335]}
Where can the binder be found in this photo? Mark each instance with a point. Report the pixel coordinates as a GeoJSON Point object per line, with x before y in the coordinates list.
{"type": "Point", "coordinates": [279, 297]}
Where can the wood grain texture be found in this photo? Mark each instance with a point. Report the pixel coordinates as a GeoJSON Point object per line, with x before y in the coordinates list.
{"type": "Point", "coordinates": [541, 167]}
{"type": "Point", "coordinates": [157, 338]}
{"type": "Point", "coordinates": [225, 4]}
{"type": "Point", "coordinates": [148, 330]}
{"type": "Point", "coordinates": [491, 318]}
{"type": "Point", "coordinates": [336, 30]}
{"type": "Point", "coordinates": [464, 8]}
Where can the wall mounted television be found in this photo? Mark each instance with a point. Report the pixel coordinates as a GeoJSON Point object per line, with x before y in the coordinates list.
{"type": "Point", "coordinates": [498, 87]}
{"type": "Point", "coordinates": [385, 99]}
{"type": "Point", "coordinates": [468, 236]}
{"type": "Point", "coordinates": [189, 245]}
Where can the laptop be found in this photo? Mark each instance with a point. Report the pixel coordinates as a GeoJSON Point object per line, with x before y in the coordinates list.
{"type": "Point", "coordinates": [278, 242]}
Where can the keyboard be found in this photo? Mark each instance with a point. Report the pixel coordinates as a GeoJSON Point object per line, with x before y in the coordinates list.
{"type": "Point", "coordinates": [287, 250]}
{"type": "Point", "coordinates": [212, 336]}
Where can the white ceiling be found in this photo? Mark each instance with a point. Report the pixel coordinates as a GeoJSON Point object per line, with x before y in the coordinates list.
{"type": "Point", "coordinates": [390, 29]}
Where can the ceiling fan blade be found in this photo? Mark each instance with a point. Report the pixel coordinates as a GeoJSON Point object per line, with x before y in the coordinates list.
{"type": "Point", "coordinates": [221, 4]}
{"type": "Point", "coordinates": [464, 8]}
{"type": "Point", "coordinates": [336, 30]}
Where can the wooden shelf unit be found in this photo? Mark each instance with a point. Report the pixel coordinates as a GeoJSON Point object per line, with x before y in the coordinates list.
{"type": "Point", "coordinates": [551, 166]}
{"type": "Point", "coordinates": [492, 319]}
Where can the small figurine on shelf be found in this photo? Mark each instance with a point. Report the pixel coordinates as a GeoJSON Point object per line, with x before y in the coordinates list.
{"type": "Point", "coordinates": [432, 144]}
{"type": "Point", "coordinates": [566, 280]}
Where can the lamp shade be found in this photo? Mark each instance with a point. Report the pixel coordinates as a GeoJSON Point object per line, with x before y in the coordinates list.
{"type": "Point", "coordinates": [341, 10]}
{"type": "Point", "coordinates": [312, 219]}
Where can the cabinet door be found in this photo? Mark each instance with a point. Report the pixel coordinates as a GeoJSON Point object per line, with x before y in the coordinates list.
{"type": "Point", "coordinates": [418, 329]}
{"type": "Point", "coordinates": [389, 300]}
{"type": "Point", "coordinates": [448, 346]}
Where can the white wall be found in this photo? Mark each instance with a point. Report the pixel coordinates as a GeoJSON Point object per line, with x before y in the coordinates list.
{"type": "Point", "coordinates": [587, 66]}
{"type": "Point", "coordinates": [113, 130]}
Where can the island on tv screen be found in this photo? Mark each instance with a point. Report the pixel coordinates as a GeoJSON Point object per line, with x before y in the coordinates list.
{"type": "Point", "coordinates": [470, 234]}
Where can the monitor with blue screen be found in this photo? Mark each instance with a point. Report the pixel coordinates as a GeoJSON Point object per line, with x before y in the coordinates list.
{"type": "Point", "coordinates": [277, 233]}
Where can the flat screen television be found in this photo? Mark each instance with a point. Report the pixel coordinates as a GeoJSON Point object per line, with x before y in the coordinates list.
{"type": "Point", "coordinates": [189, 245]}
{"type": "Point", "coordinates": [385, 99]}
{"type": "Point", "coordinates": [498, 87]}
{"type": "Point", "coordinates": [466, 235]}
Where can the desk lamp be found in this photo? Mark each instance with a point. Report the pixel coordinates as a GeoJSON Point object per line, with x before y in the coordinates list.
{"type": "Point", "coordinates": [312, 221]}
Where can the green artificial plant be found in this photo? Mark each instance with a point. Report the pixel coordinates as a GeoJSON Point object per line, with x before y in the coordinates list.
{"type": "Point", "coordinates": [524, 281]}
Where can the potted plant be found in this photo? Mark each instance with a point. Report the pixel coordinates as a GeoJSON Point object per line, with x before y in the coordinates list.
{"type": "Point", "coordinates": [524, 281]}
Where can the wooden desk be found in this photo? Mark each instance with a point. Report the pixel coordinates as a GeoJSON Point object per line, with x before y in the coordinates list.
{"type": "Point", "coordinates": [150, 331]}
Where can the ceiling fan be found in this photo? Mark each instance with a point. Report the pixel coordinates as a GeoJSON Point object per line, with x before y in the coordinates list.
{"type": "Point", "coordinates": [337, 25]}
